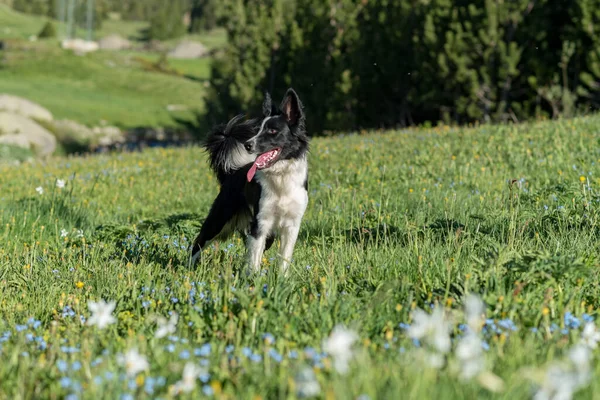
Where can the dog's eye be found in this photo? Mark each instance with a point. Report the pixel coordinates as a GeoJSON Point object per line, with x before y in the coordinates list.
{"type": "Point", "coordinates": [272, 131]}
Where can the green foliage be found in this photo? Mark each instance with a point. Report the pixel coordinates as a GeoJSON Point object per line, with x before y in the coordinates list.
{"type": "Point", "coordinates": [167, 23]}
{"type": "Point", "coordinates": [382, 63]}
{"type": "Point", "coordinates": [48, 31]}
{"type": "Point", "coordinates": [204, 15]}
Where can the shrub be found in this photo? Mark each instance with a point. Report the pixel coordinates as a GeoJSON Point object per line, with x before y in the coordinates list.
{"type": "Point", "coordinates": [48, 31]}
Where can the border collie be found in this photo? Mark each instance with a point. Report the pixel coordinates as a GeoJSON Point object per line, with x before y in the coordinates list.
{"type": "Point", "coordinates": [262, 169]}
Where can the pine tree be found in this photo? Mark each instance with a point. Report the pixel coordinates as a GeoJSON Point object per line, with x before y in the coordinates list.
{"type": "Point", "coordinates": [205, 15]}
{"type": "Point", "coordinates": [239, 76]}
{"type": "Point", "coordinates": [167, 22]}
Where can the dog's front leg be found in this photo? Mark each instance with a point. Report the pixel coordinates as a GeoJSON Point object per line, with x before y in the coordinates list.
{"type": "Point", "coordinates": [289, 235]}
{"type": "Point", "coordinates": [257, 240]}
{"type": "Point", "coordinates": [256, 248]}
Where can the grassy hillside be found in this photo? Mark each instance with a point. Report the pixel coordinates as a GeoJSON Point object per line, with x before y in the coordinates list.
{"type": "Point", "coordinates": [98, 86]}
{"type": "Point", "coordinates": [396, 221]}
{"type": "Point", "coordinates": [112, 86]}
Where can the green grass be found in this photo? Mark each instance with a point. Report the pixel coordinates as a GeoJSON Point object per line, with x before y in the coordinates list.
{"type": "Point", "coordinates": [396, 220]}
{"type": "Point", "coordinates": [106, 86]}
{"type": "Point", "coordinates": [100, 86]}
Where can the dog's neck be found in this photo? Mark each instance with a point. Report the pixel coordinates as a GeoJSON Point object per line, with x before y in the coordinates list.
{"type": "Point", "coordinates": [285, 174]}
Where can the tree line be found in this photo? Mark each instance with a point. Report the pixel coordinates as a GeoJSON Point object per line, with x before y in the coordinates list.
{"type": "Point", "coordinates": [391, 63]}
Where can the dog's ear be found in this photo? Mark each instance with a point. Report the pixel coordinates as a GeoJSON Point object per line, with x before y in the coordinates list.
{"type": "Point", "coordinates": [267, 107]}
{"type": "Point", "coordinates": [292, 107]}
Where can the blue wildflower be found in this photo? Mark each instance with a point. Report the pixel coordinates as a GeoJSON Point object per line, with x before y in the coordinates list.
{"type": "Point", "coordinates": [587, 318]}
{"type": "Point", "coordinates": [204, 377]}
{"type": "Point", "coordinates": [76, 366]}
{"type": "Point", "coordinates": [246, 351]}
{"type": "Point", "coordinates": [255, 358]}
{"type": "Point", "coordinates": [62, 365]}
{"type": "Point", "coordinates": [507, 324]}
{"type": "Point", "coordinates": [67, 349]}
{"type": "Point", "coordinates": [275, 355]}
{"type": "Point", "coordinates": [571, 321]}
{"type": "Point", "coordinates": [20, 328]}
{"type": "Point", "coordinates": [149, 384]}
{"type": "Point", "coordinates": [65, 382]}
{"type": "Point", "coordinates": [269, 338]}
{"type": "Point", "coordinates": [207, 390]}
{"type": "Point", "coordinates": [184, 355]}
{"type": "Point", "coordinates": [202, 351]}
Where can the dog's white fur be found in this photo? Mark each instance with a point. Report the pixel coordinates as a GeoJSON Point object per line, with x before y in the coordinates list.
{"type": "Point", "coordinates": [282, 205]}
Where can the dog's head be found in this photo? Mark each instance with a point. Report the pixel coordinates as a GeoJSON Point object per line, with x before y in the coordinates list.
{"type": "Point", "coordinates": [281, 135]}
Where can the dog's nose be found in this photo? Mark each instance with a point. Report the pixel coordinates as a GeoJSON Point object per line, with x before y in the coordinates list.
{"type": "Point", "coordinates": [248, 147]}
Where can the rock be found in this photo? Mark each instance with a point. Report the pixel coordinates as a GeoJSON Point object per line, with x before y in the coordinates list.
{"type": "Point", "coordinates": [188, 49]}
{"type": "Point", "coordinates": [18, 105]}
{"type": "Point", "coordinates": [79, 45]}
{"type": "Point", "coordinates": [71, 132]}
{"type": "Point", "coordinates": [114, 42]}
{"type": "Point", "coordinates": [20, 131]}
{"type": "Point", "coordinates": [107, 135]}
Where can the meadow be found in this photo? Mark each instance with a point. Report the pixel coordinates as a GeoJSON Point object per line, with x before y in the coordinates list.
{"type": "Point", "coordinates": [397, 222]}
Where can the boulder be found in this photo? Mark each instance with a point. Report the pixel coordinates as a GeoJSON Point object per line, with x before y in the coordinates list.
{"type": "Point", "coordinates": [188, 50]}
{"type": "Point", "coordinates": [20, 131]}
{"type": "Point", "coordinates": [79, 45]}
{"type": "Point", "coordinates": [71, 132]}
{"type": "Point", "coordinates": [18, 105]}
{"type": "Point", "coordinates": [114, 42]}
{"type": "Point", "coordinates": [107, 135]}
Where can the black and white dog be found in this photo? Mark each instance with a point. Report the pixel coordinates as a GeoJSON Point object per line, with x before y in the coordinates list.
{"type": "Point", "coordinates": [262, 168]}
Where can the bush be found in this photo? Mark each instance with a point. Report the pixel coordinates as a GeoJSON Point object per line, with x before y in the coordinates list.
{"type": "Point", "coordinates": [167, 24]}
{"type": "Point", "coordinates": [48, 31]}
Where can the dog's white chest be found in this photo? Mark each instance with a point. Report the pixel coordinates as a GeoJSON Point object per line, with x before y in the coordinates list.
{"type": "Point", "coordinates": [284, 198]}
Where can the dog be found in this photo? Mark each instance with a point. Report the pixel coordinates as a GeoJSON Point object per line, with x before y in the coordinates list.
{"type": "Point", "coordinates": [262, 168]}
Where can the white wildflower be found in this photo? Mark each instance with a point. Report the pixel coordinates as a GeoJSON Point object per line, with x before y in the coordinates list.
{"type": "Point", "coordinates": [307, 384]}
{"type": "Point", "coordinates": [166, 327]}
{"type": "Point", "coordinates": [563, 380]}
{"type": "Point", "coordinates": [191, 372]}
{"type": "Point", "coordinates": [474, 312]}
{"type": "Point", "coordinates": [469, 353]}
{"type": "Point", "coordinates": [134, 362]}
{"type": "Point", "coordinates": [64, 233]}
{"type": "Point", "coordinates": [581, 355]}
{"type": "Point", "coordinates": [339, 346]}
{"type": "Point", "coordinates": [590, 335]}
{"type": "Point", "coordinates": [39, 189]}
{"type": "Point", "coordinates": [60, 183]}
{"type": "Point", "coordinates": [434, 328]}
{"type": "Point", "coordinates": [101, 313]}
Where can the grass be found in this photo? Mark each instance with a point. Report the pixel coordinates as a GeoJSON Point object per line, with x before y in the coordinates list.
{"type": "Point", "coordinates": [396, 221]}
{"type": "Point", "coordinates": [114, 87]}
{"type": "Point", "coordinates": [100, 86]}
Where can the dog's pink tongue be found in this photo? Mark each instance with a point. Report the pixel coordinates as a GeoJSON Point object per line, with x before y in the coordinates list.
{"type": "Point", "coordinates": [252, 171]}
